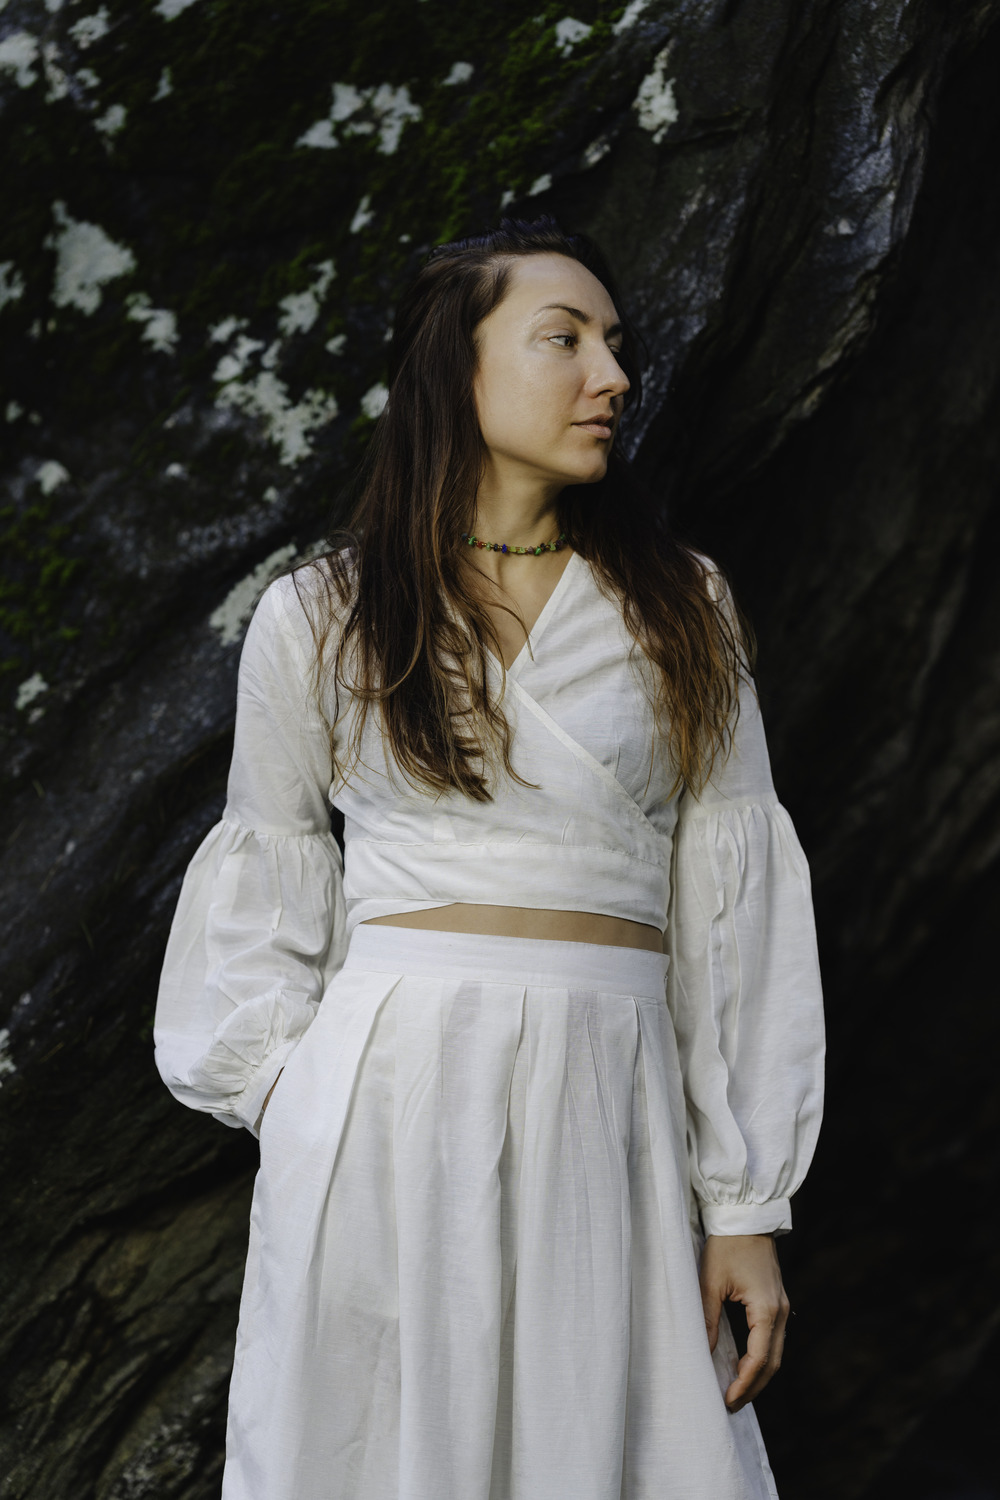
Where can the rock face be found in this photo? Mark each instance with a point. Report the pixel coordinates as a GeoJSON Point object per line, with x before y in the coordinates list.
{"type": "Point", "coordinates": [210, 207]}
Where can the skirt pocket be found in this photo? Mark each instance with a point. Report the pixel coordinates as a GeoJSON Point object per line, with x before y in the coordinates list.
{"type": "Point", "coordinates": [314, 1092]}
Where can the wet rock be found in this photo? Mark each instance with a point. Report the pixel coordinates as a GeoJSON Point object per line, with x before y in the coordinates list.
{"type": "Point", "coordinates": [213, 210]}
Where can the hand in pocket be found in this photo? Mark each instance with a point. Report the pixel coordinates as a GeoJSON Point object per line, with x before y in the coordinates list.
{"type": "Point", "coordinates": [270, 1091]}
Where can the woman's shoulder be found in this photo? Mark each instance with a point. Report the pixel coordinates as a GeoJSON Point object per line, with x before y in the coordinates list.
{"type": "Point", "coordinates": [712, 571]}
{"type": "Point", "coordinates": [314, 596]}
{"type": "Point", "coordinates": [716, 580]}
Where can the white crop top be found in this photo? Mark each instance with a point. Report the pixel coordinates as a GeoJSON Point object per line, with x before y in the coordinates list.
{"type": "Point", "coordinates": [267, 907]}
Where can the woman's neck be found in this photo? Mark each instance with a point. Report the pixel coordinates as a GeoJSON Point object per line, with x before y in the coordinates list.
{"type": "Point", "coordinates": [521, 515]}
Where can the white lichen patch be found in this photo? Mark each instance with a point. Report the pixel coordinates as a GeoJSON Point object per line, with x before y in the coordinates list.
{"type": "Point", "coordinates": [383, 109]}
{"type": "Point", "coordinates": [299, 312]}
{"type": "Point", "coordinates": [86, 258]}
{"type": "Point", "coordinates": [11, 283]}
{"type": "Point", "coordinates": [288, 424]}
{"type": "Point", "coordinates": [18, 55]}
{"type": "Point", "coordinates": [159, 323]}
{"type": "Point", "coordinates": [301, 309]}
{"type": "Point", "coordinates": [629, 15]}
{"type": "Point", "coordinates": [461, 72]}
{"type": "Point", "coordinates": [53, 5]}
{"type": "Point", "coordinates": [363, 215]}
{"type": "Point", "coordinates": [13, 410]}
{"type": "Point", "coordinates": [56, 81]}
{"type": "Point", "coordinates": [88, 78]}
{"type": "Point", "coordinates": [508, 196]}
{"type": "Point", "coordinates": [221, 333]}
{"type": "Point", "coordinates": [236, 608]}
{"type": "Point", "coordinates": [169, 9]}
{"type": "Point", "coordinates": [394, 108]}
{"type": "Point", "coordinates": [320, 136]}
{"type": "Point", "coordinates": [112, 121]}
{"type": "Point", "coordinates": [232, 365]}
{"type": "Point", "coordinates": [50, 475]}
{"type": "Point", "coordinates": [165, 87]}
{"type": "Point", "coordinates": [374, 399]}
{"type": "Point", "coordinates": [175, 471]}
{"type": "Point", "coordinates": [655, 103]}
{"type": "Point", "coordinates": [336, 344]}
{"type": "Point", "coordinates": [6, 1061]}
{"type": "Point", "coordinates": [90, 29]}
{"type": "Point", "coordinates": [540, 184]}
{"type": "Point", "coordinates": [347, 100]}
{"type": "Point", "coordinates": [570, 33]}
{"type": "Point", "coordinates": [596, 151]}
{"type": "Point", "coordinates": [33, 687]}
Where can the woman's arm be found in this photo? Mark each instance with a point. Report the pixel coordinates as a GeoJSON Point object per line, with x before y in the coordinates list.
{"type": "Point", "coordinates": [260, 924]}
{"type": "Point", "coordinates": [745, 995]}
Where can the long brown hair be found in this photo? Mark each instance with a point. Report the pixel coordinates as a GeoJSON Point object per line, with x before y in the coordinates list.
{"type": "Point", "coordinates": [412, 637]}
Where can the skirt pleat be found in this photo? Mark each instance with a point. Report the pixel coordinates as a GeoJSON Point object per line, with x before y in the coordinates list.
{"type": "Point", "coordinates": [472, 1271]}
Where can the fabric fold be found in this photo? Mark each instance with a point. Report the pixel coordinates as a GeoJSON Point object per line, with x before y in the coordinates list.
{"type": "Point", "coordinates": [259, 931]}
{"type": "Point", "coordinates": [745, 996]}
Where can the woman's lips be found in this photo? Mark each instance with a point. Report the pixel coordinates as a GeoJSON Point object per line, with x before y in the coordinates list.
{"type": "Point", "coordinates": [599, 429]}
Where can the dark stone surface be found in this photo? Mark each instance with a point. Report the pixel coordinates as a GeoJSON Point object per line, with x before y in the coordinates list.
{"type": "Point", "coordinates": [811, 249]}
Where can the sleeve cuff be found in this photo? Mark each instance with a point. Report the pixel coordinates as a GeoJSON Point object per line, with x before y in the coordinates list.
{"type": "Point", "coordinates": [772, 1217]}
{"type": "Point", "coordinates": [246, 1107]}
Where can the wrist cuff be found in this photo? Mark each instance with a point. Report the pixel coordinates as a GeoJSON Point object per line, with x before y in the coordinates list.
{"type": "Point", "coordinates": [772, 1217]}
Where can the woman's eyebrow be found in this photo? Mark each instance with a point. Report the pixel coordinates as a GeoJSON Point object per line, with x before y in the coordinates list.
{"type": "Point", "coordinates": [581, 317]}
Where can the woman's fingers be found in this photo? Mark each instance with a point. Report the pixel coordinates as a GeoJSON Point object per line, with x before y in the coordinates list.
{"type": "Point", "coordinates": [744, 1268]}
{"type": "Point", "coordinates": [765, 1345]}
{"type": "Point", "coordinates": [711, 1301]}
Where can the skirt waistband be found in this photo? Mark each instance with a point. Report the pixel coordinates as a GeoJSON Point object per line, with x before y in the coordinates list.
{"type": "Point", "coordinates": [508, 960]}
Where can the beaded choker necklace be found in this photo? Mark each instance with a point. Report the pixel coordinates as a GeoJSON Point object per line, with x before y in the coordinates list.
{"type": "Point", "coordinates": [555, 546]}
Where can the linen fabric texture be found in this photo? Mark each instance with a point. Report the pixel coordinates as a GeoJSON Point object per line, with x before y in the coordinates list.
{"type": "Point", "coordinates": [488, 1165]}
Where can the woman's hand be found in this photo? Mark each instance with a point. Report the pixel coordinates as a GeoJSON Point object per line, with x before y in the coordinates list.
{"type": "Point", "coordinates": [270, 1091]}
{"type": "Point", "coordinates": [744, 1268]}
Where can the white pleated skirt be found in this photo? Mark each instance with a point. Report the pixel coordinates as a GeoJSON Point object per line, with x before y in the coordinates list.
{"type": "Point", "coordinates": [472, 1271]}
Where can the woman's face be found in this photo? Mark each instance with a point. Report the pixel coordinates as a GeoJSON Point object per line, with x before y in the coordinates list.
{"type": "Point", "coordinates": [549, 389]}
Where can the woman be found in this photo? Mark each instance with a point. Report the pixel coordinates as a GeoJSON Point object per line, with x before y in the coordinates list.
{"type": "Point", "coordinates": [535, 1079]}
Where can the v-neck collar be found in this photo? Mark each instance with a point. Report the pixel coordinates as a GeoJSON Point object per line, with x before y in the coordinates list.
{"type": "Point", "coordinates": [544, 615]}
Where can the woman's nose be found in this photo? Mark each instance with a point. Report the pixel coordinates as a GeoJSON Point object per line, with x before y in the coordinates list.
{"type": "Point", "coordinates": [609, 376]}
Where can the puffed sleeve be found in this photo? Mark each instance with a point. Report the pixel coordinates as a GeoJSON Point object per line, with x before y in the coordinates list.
{"type": "Point", "coordinates": [744, 990]}
{"type": "Point", "coordinates": [260, 924]}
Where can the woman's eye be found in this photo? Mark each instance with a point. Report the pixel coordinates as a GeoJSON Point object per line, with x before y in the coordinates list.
{"type": "Point", "coordinates": [570, 336]}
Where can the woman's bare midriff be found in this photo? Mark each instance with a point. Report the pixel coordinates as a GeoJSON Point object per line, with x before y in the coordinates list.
{"type": "Point", "coordinates": [529, 922]}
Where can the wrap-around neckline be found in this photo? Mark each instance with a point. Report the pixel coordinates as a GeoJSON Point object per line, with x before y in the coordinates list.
{"type": "Point", "coordinates": [541, 619]}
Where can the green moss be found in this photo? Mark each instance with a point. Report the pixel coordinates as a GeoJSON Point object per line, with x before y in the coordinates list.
{"type": "Point", "coordinates": [37, 574]}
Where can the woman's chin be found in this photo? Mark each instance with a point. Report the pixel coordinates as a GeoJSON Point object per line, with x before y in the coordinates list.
{"type": "Point", "coordinates": [588, 473]}
{"type": "Point", "coordinates": [595, 473]}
